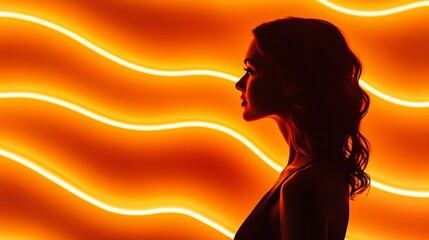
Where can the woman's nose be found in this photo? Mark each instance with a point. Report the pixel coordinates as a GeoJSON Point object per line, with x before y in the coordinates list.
{"type": "Point", "coordinates": [241, 84]}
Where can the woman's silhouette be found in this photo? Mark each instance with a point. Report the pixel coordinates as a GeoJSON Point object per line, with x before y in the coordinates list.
{"type": "Point", "coordinates": [301, 73]}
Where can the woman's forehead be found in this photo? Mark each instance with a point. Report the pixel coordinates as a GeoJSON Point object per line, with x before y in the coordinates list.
{"type": "Point", "coordinates": [253, 56]}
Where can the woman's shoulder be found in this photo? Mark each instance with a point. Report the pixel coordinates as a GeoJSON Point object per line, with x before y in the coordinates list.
{"type": "Point", "coordinates": [319, 179]}
{"type": "Point", "coordinates": [312, 198]}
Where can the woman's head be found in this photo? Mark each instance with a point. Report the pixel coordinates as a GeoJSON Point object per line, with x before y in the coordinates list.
{"type": "Point", "coordinates": [260, 86]}
{"type": "Point", "coordinates": [302, 72]}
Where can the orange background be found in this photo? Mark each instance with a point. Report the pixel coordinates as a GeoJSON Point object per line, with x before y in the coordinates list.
{"type": "Point", "coordinates": [199, 169]}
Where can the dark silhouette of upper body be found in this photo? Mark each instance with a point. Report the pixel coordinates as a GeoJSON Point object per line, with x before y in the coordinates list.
{"type": "Point", "coordinates": [301, 73]}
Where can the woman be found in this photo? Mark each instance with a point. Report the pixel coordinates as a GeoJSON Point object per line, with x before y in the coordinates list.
{"type": "Point", "coordinates": [301, 73]}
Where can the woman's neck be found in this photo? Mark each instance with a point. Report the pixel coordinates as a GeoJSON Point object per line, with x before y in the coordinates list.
{"type": "Point", "coordinates": [296, 158]}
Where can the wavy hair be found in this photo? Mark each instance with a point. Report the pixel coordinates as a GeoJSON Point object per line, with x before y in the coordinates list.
{"type": "Point", "coordinates": [320, 76]}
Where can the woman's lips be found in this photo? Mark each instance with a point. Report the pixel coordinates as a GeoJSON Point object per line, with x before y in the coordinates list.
{"type": "Point", "coordinates": [243, 101]}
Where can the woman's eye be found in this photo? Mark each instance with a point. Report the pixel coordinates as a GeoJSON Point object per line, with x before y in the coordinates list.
{"type": "Point", "coordinates": [248, 70]}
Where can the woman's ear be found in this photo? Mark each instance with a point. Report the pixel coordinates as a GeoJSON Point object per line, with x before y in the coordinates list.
{"type": "Point", "coordinates": [287, 92]}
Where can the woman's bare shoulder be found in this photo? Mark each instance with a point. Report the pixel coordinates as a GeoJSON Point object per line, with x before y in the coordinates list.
{"type": "Point", "coordinates": [310, 199]}
{"type": "Point", "coordinates": [319, 180]}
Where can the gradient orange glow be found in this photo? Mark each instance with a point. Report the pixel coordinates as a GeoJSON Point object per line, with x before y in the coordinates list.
{"type": "Point", "coordinates": [99, 141]}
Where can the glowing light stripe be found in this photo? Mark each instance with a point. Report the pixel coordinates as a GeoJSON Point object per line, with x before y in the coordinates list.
{"type": "Point", "coordinates": [392, 99]}
{"type": "Point", "coordinates": [194, 72]}
{"type": "Point", "coordinates": [199, 124]}
{"type": "Point", "coordinates": [109, 55]}
{"type": "Point", "coordinates": [378, 13]}
{"type": "Point", "coordinates": [102, 205]}
{"type": "Point", "coordinates": [398, 191]}
{"type": "Point", "coordinates": [135, 127]}
{"type": "Point", "coordinates": [110, 208]}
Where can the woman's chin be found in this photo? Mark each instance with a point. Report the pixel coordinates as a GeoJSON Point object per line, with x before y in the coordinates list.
{"type": "Point", "coordinates": [248, 117]}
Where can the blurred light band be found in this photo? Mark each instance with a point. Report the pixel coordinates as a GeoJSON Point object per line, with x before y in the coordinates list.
{"type": "Point", "coordinates": [110, 56]}
{"type": "Point", "coordinates": [398, 191]}
{"type": "Point", "coordinates": [392, 99]}
{"type": "Point", "coordinates": [136, 127]}
{"type": "Point", "coordinates": [193, 72]}
{"type": "Point", "coordinates": [199, 124]}
{"type": "Point", "coordinates": [378, 13]}
{"type": "Point", "coordinates": [112, 209]}
{"type": "Point", "coordinates": [107, 207]}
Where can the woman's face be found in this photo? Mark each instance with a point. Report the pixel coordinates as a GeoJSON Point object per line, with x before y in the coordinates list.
{"type": "Point", "coordinates": [262, 90]}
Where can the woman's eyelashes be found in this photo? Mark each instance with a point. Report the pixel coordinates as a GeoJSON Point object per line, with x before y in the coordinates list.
{"type": "Point", "coordinates": [248, 70]}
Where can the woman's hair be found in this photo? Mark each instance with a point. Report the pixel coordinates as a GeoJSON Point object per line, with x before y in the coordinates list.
{"type": "Point", "coordinates": [321, 82]}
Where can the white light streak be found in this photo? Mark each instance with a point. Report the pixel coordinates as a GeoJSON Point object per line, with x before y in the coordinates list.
{"type": "Point", "coordinates": [378, 13]}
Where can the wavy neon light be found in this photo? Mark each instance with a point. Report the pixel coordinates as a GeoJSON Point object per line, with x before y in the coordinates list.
{"type": "Point", "coordinates": [107, 207]}
{"type": "Point", "coordinates": [377, 13]}
{"type": "Point", "coordinates": [398, 191]}
{"type": "Point", "coordinates": [170, 73]}
{"type": "Point", "coordinates": [109, 55]}
{"type": "Point", "coordinates": [110, 208]}
{"type": "Point", "coordinates": [136, 127]}
{"type": "Point", "coordinates": [397, 101]}
{"type": "Point", "coordinates": [188, 124]}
